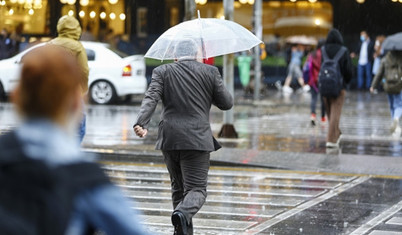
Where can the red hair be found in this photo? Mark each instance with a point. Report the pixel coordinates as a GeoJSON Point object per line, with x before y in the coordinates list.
{"type": "Point", "coordinates": [50, 75]}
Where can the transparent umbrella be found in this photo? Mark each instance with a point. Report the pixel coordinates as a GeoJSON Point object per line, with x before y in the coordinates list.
{"type": "Point", "coordinates": [211, 37]}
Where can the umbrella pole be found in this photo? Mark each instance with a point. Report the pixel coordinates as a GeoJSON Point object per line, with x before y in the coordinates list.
{"type": "Point", "coordinates": [228, 129]}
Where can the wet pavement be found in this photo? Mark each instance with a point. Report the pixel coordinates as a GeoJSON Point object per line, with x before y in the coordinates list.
{"type": "Point", "coordinates": [276, 178]}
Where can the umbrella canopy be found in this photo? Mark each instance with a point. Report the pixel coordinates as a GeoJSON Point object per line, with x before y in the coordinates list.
{"type": "Point", "coordinates": [301, 39]}
{"type": "Point", "coordinates": [208, 36]}
{"type": "Point", "coordinates": [393, 42]}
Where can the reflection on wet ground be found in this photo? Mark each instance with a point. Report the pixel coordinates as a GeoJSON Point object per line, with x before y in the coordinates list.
{"type": "Point", "coordinates": [260, 201]}
{"type": "Point", "coordinates": [275, 132]}
{"type": "Point", "coordinates": [276, 123]}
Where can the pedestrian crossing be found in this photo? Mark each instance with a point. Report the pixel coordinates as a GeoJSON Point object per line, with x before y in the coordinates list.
{"type": "Point", "coordinates": [239, 199]}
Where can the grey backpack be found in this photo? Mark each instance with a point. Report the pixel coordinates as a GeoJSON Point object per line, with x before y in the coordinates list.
{"type": "Point", "coordinates": [393, 74]}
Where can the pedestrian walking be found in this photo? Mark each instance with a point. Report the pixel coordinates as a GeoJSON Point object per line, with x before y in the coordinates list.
{"type": "Point", "coordinates": [48, 186]}
{"type": "Point", "coordinates": [187, 89]}
{"type": "Point", "coordinates": [313, 63]}
{"type": "Point", "coordinates": [69, 32]}
{"type": "Point", "coordinates": [391, 70]}
{"type": "Point", "coordinates": [5, 44]}
{"type": "Point", "coordinates": [294, 70]}
{"type": "Point", "coordinates": [332, 82]}
{"type": "Point", "coordinates": [378, 53]}
{"type": "Point", "coordinates": [364, 67]}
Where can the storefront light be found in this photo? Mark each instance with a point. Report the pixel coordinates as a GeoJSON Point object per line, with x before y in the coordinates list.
{"type": "Point", "coordinates": [201, 2]}
{"type": "Point", "coordinates": [13, 1]}
{"type": "Point", "coordinates": [317, 22]}
{"type": "Point", "coordinates": [71, 2]}
{"type": "Point", "coordinates": [293, 0]}
{"type": "Point", "coordinates": [113, 1]}
{"type": "Point", "coordinates": [102, 15]}
{"type": "Point", "coordinates": [251, 2]}
{"type": "Point", "coordinates": [11, 12]}
{"type": "Point", "coordinates": [84, 3]}
{"type": "Point", "coordinates": [122, 16]}
{"type": "Point", "coordinates": [31, 12]}
{"type": "Point", "coordinates": [92, 14]}
{"type": "Point", "coordinates": [70, 12]}
{"type": "Point", "coordinates": [112, 16]}
{"type": "Point", "coordinates": [360, 1]}
{"type": "Point", "coordinates": [37, 4]}
{"type": "Point", "coordinates": [63, 1]}
{"type": "Point", "coordinates": [312, 1]}
{"type": "Point", "coordinates": [21, 1]}
{"type": "Point", "coordinates": [243, 1]}
{"type": "Point", "coordinates": [3, 3]}
{"type": "Point", "coordinates": [81, 14]}
{"type": "Point", "coordinates": [395, 0]}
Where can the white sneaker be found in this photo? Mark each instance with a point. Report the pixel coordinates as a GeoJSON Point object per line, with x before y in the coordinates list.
{"type": "Point", "coordinates": [394, 125]}
{"type": "Point", "coordinates": [278, 85]}
{"type": "Point", "coordinates": [287, 89]}
{"type": "Point", "coordinates": [332, 145]}
{"type": "Point", "coordinates": [397, 132]}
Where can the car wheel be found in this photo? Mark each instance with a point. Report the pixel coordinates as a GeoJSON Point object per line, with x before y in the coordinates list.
{"type": "Point", "coordinates": [102, 92]}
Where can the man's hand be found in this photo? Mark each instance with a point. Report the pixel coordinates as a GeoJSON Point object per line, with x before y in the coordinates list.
{"type": "Point", "coordinates": [371, 90]}
{"type": "Point", "coordinates": [139, 131]}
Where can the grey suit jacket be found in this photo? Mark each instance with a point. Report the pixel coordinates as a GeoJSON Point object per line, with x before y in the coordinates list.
{"type": "Point", "coordinates": [187, 89]}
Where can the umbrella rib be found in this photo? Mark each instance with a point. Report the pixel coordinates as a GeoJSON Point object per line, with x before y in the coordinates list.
{"type": "Point", "coordinates": [170, 42]}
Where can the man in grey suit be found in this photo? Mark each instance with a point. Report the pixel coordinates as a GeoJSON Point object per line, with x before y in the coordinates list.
{"type": "Point", "coordinates": [187, 89]}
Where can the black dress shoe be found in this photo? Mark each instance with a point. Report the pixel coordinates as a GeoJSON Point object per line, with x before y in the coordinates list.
{"type": "Point", "coordinates": [179, 222]}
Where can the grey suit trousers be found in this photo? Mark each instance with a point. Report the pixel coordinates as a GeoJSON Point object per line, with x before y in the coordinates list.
{"type": "Point", "coordinates": [188, 171]}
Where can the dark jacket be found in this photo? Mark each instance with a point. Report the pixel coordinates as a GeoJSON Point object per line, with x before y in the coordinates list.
{"type": "Point", "coordinates": [370, 50]}
{"type": "Point", "coordinates": [187, 89]}
{"type": "Point", "coordinates": [332, 45]}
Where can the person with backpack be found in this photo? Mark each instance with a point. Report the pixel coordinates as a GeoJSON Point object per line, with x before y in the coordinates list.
{"type": "Point", "coordinates": [311, 70]}
{"type": "Point", "coordinates": [391, 70]}
{"type": "Point", "coordinates": [48, 186]}
{"type": "Point", "coordinates": [336, 71]}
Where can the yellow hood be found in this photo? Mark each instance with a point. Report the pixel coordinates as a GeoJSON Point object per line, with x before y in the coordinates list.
{"type": "Point", "coordinates": [69, 27]}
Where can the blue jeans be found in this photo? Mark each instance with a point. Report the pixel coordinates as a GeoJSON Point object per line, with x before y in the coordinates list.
{"type": "Point", "coordinates": [364, 71]}
{"type": "Point", "coordinates": [314, 96]}
{"type": "Point", "coordinates": [395, 105]}
{"type": "Point", "coordinates": [82, 127]}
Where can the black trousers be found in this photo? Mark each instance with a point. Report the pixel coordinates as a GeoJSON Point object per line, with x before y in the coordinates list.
{"type": "Point", "coordinates": [188, 171]}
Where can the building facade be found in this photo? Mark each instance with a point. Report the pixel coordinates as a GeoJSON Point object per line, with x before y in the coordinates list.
{"type": "Point", "coordinates": [142, 21]}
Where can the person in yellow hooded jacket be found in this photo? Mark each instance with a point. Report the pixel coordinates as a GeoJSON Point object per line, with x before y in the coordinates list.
{"type": "Point", "coordinates": [69, 33]}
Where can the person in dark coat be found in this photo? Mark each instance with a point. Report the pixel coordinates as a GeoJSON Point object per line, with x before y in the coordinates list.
{"type": "Point", "coordinates": [333, 105]}
{"type": "Point", "coordinates": [365, 63]}
{"type": "Point", "coordinates": [187, 89]}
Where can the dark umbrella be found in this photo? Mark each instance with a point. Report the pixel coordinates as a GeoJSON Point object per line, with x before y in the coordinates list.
{"type": "Point", "coordinates": [393, 42]}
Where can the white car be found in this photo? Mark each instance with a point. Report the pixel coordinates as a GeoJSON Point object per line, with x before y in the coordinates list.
{"type": "Point", "coordinates": [111, 75]}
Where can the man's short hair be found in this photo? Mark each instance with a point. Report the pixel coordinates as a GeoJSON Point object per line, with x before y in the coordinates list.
{"type": "Point", "coordinates": [186, 47]}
